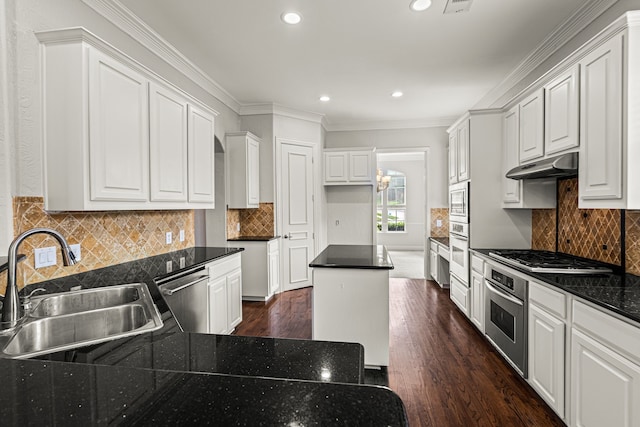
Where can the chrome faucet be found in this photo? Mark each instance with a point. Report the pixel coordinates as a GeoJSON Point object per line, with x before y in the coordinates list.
{"type": "Point", "coordinates": [11, 307]}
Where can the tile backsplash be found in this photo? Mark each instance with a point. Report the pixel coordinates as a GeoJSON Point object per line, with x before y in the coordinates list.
{"type": "Point", "coordinates": [106, 238]}
{"type": "Point", "coordinates": [589, 233]}
{"type": "Point", "coordinates": [253, 222]}
{"type": "Point", "coordinates": [441, 214]}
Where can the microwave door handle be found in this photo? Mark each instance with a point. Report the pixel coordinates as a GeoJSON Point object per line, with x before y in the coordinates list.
{"type": "Point", "coordinates": [502, 294]}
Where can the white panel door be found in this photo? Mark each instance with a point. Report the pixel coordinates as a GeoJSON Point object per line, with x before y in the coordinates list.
{"type": "Point", "coordinates": [464, 150]}
{"type": "Point", "coordinates": [600, 171]}
{"type": "Point", "coordinates": [477, 300]}
{"type": "Point", "coordinates": [360, 167]}
{"type": "Point", "coordinates": [296, 188]}
{"type": "Point", "coordinates": [511, 188]}
{"type": "Point", "coordinates": [168, 144]}
{"type": "Point", "coordinates": [605, 386]}
{"type": "Point", "coordinates": [234, 299]}
{"type": "Point", "coordinates": [201, 156]}
{"type": "Point", "coordinates": [218, 319]}
{"type": "Point", "coordinates": [118, 131]}
{"type": "Point", "coordinates": [453, 157]}
{"type": "Point", "coordinates": [336, 166]}
{"type": "Point", "coordinates": [546, 357]}
{"type": "Point", "coordinates": [253, 172]}
{"type": "Point", "coordinates": [532, 127]}
{"type": "Point", "coordinates": [561, 112]}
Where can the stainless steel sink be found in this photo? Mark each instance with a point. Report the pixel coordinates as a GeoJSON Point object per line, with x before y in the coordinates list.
{"type": "Point", "coordinates": [75, 319]}
{"type": "Point", "coordinates": [75, 302]}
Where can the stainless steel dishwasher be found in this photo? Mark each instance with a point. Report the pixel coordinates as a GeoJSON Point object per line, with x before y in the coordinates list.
{"type": "Point", "coordinates": [187, 298]}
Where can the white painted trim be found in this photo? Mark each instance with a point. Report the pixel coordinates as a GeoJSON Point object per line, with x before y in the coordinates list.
{"type": "Point", "coordinates": [280, 110]}
{"type": "Point", "coordinates": [558, 38]}
{"type": "Point", "coordinates": [119, 15]}
{"type": "Point", "coordinates": [390, 124]}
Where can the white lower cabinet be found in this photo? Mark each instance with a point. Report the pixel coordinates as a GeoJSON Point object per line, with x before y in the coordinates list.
{"type": "Point", "coordinates": [459, 294]}
{"type": "Point", "coordinates": [261, 268]}
{"type": "Point", "coordinates": [476, 309]}
{"type": "Point", "coordinates": [547, 357]}
{"type": "Point", "coordinates": [225, 294]}
{"type": "Point", "coordinates": [605, 370]}
{"type": "Point", "coordinates": [433, 264]}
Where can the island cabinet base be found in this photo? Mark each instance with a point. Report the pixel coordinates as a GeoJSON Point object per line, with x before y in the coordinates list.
{"type": "Point", "coordinates": [352, 305]}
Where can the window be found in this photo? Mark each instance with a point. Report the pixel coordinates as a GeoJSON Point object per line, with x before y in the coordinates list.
{"type": "Point", "coordinates": [392, 203]}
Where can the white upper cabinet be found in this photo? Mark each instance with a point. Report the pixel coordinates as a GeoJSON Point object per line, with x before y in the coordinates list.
{"type": "Point", "coordinates": [352, 167]}
{"type": "Point", "coordinates": [459, 152]}
{"type": "Point", "coordinates": [561, 112]}
{"type": "Point", "coordinates": [125, 139]}
{"type": "Point", "coordinates": [453, 157]}
{"type": "Point", "coordinates": [118, 132]}
{"type": "Point", "coordinates": [201, 155]}
{"type": "Point", "coordinates": [511, 142]}
{"type": "Point", "coordinates": [532, 127]}
{"type": "Point", "coordinates": [243, 163]}
{"type": "Point", "coordinates": [601, 129]}
{"type": "Point", "coordinates": [168, 144]}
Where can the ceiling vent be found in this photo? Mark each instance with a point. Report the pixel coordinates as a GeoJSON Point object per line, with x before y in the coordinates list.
{"type": "Point", "coordinates": [457, 6]}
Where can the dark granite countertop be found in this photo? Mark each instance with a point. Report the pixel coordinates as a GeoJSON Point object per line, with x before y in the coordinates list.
{"type": "Point", "coordinates": [444, 241]}
{"type": "Point", "coordinates": [619, 293]}
{"type": "Point", "coordinates": [253, 239]}
{"type": "Point", "coordinates": [168, 377]}
{"type": "Point", "coordinates": [354, 256]}
{"type": "Point", "coordinates": [53, 393]}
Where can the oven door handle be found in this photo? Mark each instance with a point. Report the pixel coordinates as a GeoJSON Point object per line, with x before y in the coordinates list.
{"type": "Point", "coordinates": [502, 294]}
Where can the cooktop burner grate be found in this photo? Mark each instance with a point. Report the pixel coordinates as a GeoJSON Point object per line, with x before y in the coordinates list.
{"type": "Point", "coordinates": [548, 262]}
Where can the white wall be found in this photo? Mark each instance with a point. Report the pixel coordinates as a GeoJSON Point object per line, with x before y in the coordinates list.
{"type": "Point", "coordinates": [350, 215]}
{"type": "Point", "coordinates": [414, 169]}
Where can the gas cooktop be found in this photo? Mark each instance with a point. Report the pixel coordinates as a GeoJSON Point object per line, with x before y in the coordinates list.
{"type": "Point", "coordinates": [548, 262]}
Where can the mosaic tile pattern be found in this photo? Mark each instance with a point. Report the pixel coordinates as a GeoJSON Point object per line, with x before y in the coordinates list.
{"type": "Point", "coordinates": [253, 222]}
{"type": "Point", "coordinates": [632, 242]}
{"type": "Point", "coordinates": [439, 214]}
{"type": "Point", "coordinates": [543, 224]}
{"type": "Point", "coordinates": [588, 233]}
{"type": "Point", "coordinates": [106, 238]}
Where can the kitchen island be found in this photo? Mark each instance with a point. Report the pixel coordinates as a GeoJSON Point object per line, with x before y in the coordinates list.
{"type": "Point", "coordinates": [168, 377]}
{"type": "Point", "coordinates": [351, 298]}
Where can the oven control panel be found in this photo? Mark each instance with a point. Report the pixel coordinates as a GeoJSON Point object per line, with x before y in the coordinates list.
{"type": "Point", "coordinates": [503, 279]}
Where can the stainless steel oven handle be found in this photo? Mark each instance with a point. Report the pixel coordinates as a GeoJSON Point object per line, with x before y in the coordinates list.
{"type": "Point", "coordinates": [502, 294]}
{"type": "Point", "coordinates": [169, 290]}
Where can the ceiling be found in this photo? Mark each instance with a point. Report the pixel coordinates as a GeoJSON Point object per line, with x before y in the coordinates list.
{"type": "Point", "coordinates": [357, 51]}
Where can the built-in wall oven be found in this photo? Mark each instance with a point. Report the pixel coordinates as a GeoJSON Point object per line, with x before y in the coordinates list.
{"type": "Point", "coordinates": [459, 251]}
{"type": "Point", "coordinates": [506, 313]}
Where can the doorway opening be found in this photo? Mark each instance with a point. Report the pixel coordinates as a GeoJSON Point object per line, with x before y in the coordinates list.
{"type": "Point", "coordinates": [401, 210]}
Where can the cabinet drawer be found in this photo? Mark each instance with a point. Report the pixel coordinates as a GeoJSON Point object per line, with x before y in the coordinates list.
{"type": "Point", "coordinates": [477, 264]}
{"type": "Point", "coordinates": [607, 329]}
{"type": "Point", "coordinates": [224, 266]}
{"type": "Point", "coordinates": [272, 246]}
{"type": "Point", "coordinates": [459, 294]}
{"type": "Point", "coordinates": [443, 252]}
{"type": "Point", "coordinates": [434, 246]}
{"type": "Point", "coordinates": [553, 301]}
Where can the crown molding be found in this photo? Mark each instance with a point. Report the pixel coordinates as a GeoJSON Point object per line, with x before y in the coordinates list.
{"type": "Point", "coordinates": [280, 110]}
{"type": "Point", "coordinates": [558, 38]}
{"type": "Point", "coordinates": [123, 18]}
{"type": "Point", "coordinates": [390, 124]}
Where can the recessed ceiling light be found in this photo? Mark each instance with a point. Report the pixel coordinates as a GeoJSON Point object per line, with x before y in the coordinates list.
{"type": "Point", "coordinates": [397, 94]}
{"type": "Point", "coordinates": [420, 5]}
{"type": "Point", "coordinates": [291, 18]}
{"type": "Point", "coordinates": [325, 98]}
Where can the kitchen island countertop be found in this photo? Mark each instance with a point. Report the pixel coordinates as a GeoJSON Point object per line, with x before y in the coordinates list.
{"type": "Point", "coordinates": [354, 256]}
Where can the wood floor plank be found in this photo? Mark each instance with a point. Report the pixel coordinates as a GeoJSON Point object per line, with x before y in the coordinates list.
{"type": "Point", "coordinates": [446, 373]}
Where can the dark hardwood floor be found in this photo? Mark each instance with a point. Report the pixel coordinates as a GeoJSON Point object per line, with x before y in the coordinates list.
{"type": "Point", "coordinates": [446, 373]}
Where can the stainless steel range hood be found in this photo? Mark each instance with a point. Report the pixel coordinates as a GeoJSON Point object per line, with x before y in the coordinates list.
{"type": "Point", "coordinates": [565, 165]}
